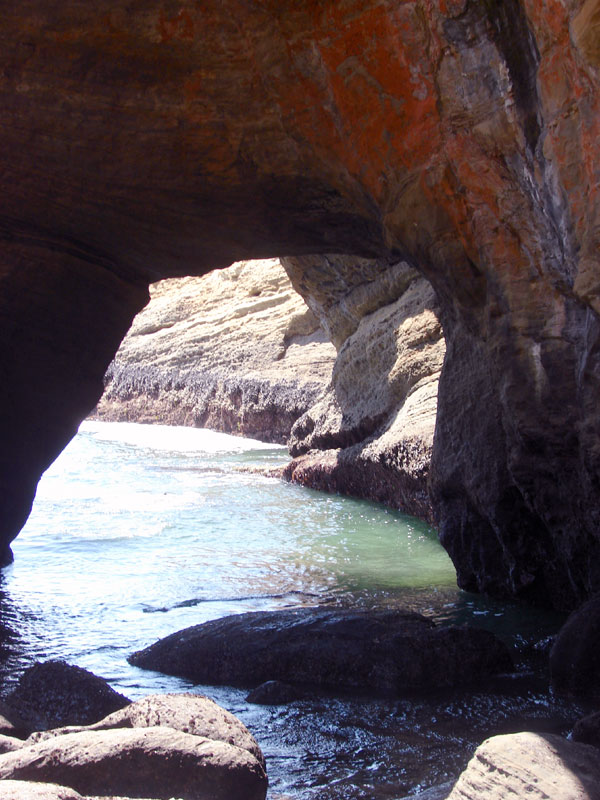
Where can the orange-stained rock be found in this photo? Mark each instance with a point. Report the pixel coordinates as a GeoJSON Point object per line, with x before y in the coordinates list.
{"type": "Point", "coordinates": [143, 140]}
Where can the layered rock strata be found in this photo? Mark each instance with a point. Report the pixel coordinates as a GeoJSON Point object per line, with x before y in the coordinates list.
{"type": "Point", "coordinates": [544, 767]}
{"type": "Point", "coordinates": [236, 351]}
{"type": "Point", "coordinates": [371, 435]}
{"type": "Point", "coordinates": [149, 140]}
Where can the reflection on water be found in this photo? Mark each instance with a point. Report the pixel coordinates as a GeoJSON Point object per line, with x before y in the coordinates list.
{"type": "Point", "coordinates": [139, 531]}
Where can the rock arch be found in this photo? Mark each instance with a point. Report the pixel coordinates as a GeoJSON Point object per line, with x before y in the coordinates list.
{"type": "Point", "coordinates": [152, 139]}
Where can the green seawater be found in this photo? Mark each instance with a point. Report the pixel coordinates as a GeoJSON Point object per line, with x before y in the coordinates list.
{"type": "Point", "coordinates": [138, 531]}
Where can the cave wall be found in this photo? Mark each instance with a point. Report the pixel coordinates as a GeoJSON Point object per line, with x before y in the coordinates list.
{"type": "Point", "coordinates": [143, 140]}
{"type": "Point", "coordinates": [371, 433]}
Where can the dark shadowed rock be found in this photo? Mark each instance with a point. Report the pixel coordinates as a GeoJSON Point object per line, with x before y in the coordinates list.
{"type": "Point", "coordinates": [530, 765]}
{"type": "Point", "coordinates": [334, 649]}
{"type": "Point", "coordinates": [8, 726]}
{"type": "Point", "coordinates": [54, 693]}
{"type": "Point", "coordinates": [575, 655]}
{"type": "Point", "coordinates": [189, 713]}
{"type": "Point", "coordinates": [154, 762]}
{"type": "Point", "coordinates": [459, 136]}
{"type": "Point", "coordinates": [273, 693]}
{"type": "Point", "coordinates": [587, 730]}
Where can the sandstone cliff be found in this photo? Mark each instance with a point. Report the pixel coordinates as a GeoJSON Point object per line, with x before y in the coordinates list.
{"type": "Point", "coordinates": [371, 435]}
{"type": "Point", "coordinates": [236, 350]}
{"type": "Point", "coordinates": [239, 351]}
{"type": "Point", "coordinates": [147, 140]}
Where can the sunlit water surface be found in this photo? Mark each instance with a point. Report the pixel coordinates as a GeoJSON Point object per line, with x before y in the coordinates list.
{"type": "Point", "coordinates": [138, 531]}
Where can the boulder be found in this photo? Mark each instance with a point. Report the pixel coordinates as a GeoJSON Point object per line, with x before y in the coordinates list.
{"type": "Point", "coordinates": [156, 762]}
{"type": "Point", "coordinates": [273, 693]}
{"type": "Point", "coordinates": [9, 743]}
{"type": "Point", "coordinates": [439, 792]}
{"type": "Point", "coordinates": [575, 655]}
{"type": "Point", "coordinates": [25, 790]}
{"type": "Point", "coordinates": [189, 713]}
{"type": "Point", "coordinates": [587, 730]}
{"type": "Point", "coordinates": [55, 693]}
{"type": "Point", "coordinates": [332, 649]}
{"type": "Point", "coordinates": [530, 765]}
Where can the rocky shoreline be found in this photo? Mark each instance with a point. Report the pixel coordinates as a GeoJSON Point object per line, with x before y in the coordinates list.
{"type": "Point", "coordinates": [248, 350]}
{"type": "Point", "coordinates": [236, 351]}
{"type": "Point", "coordinates": [66, 735]}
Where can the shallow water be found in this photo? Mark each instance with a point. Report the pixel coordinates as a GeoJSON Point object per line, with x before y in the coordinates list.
{"type": "Point", "coordinates": [138, 531]}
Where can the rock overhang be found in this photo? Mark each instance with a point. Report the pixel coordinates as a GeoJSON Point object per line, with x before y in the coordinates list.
{"type": "Point", "coordinates": [149, 140]}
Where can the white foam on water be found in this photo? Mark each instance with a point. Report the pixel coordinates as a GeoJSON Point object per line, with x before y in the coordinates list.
{"type": "Point", "coordinates": [173, 438]}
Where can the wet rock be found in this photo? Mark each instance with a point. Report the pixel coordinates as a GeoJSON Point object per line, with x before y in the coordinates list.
{"type": "Point", "coordinates": [587, 730]}
{"type": "Point", "coordinates": [440, 792]}
{"type": "Point", "coordinates": [530, 765]}
{"type": "Point", "coordinates": [154, 762]}
{"type": "Point", "coordinates": [272, 693]}
{"type": "Point", "coordinates": [189, 713]}
{"type": "Point", "coordinates": [575, 655]}
{"type": "Point", "coordinates": [334, 649]}
{"type": "Point", "coordinates": [55, 693]}
{"type": "Point", "coordinates": [25, 790]}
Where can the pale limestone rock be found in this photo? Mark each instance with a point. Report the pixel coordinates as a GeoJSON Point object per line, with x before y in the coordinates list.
{"type": "Point", "coordinates": [27, 790]}
{"type": "Point", "coordinates": [532, 766]}
{"type": "Point", "coordinates": [190, 713]}
{"type": "Point", "coordinates": [236, 350]}
{"type": "Point", "coordinates": [157, 761]}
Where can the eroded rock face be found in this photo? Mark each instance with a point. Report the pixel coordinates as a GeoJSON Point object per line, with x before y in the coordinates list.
{"type": "Point", "coordinates": [371, 435]}
{"type": "Point", "coordinates": [148, 140]}
{"type": "Point", "coordinates": [236, 351]}
{"type": "Point", "coordinates": [544, 767]}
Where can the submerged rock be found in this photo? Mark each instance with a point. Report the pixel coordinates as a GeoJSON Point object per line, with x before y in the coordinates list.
{"type": "Point", "coordinates": [531, 765]}
{"type": "Point", "coordinates": [55, 693]}
{"type": "Point", "coordinates": [273, 693]}
{"type": "Point", "coordinates": [332, 649]}
{"type": "Point", "coordinates": [575, 655]}
{"type": "Point", "coordinates": [439, 792]}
